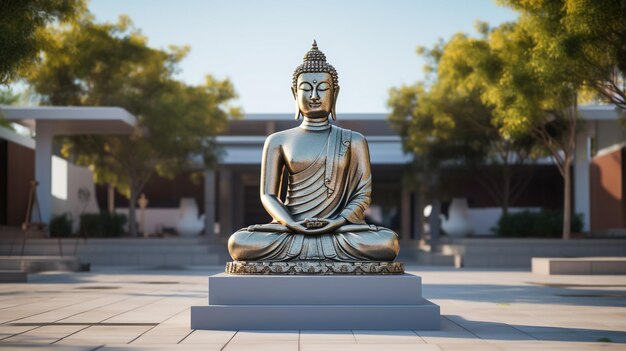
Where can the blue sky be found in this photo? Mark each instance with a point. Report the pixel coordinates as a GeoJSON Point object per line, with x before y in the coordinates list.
{"type": "Point", "coordinates": [257, 44]}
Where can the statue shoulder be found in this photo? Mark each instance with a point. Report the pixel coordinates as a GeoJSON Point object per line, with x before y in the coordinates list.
{"type": "Point", "coordinates": [276, 139]}
{"type": "Point", "coordinates": [357, 139]}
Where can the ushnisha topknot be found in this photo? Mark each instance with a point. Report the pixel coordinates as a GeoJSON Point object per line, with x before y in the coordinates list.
{"type": "Point", "coordinates": [315, 61]}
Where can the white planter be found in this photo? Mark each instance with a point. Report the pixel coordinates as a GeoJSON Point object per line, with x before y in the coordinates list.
{"type": "Point", "coordinates": [458, 223]}
{"type": "Point", "coordinates": [189, 224]}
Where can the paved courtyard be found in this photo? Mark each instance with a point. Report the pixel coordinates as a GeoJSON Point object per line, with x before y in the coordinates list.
{"type": "Point", "coordinates": [142, 309]}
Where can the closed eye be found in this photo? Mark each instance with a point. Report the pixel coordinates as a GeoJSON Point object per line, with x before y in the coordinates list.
{"type": "Point", "coordinates": [323, 86]}
{"type": "Point", "coordinates": [306, 86]}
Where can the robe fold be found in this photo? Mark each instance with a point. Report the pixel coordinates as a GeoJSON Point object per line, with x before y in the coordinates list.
{"type": "Point", "coordinates": [337, 183]}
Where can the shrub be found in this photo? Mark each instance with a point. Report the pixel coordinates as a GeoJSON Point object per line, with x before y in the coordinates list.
{"type": "Point", "coordinates": [61, 226]}
{"type": "Point", "coordinates": [102, 224]}
{"type": "Point", "coordinates": [546, 223]}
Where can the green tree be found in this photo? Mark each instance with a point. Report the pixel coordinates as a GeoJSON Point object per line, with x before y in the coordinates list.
{"type": "Point", "coordinates": [589, 35]}
{"type": "Point", "coordinates": [513, 86]}
{"type": "Point", "coordinates": [531, 91]}
{"type": "Point", "coordinates": [449, 122]}
{"type": "Point", "coordinates": [7, 97]}
{"type": "Point", "coordinates": [23, 31]}
{"type": "Point", "coordinates": [106, 64]}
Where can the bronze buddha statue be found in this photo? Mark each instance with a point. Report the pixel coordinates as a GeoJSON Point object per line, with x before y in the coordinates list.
{"type": "Point", "coordinates": [329, 184]}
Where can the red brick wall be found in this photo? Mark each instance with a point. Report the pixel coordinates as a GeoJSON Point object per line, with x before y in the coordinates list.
{"type": "Point", "coordinates": [608, 210]}
{"type": "Point", "coordinates": [20, 163]}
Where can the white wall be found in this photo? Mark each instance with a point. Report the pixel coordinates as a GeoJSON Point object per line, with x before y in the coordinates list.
{"type": "Point", "coordinates": [67, 180]}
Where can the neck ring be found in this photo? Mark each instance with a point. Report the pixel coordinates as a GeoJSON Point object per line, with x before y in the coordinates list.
{"type": "Point", "coordinates": [315, 124]}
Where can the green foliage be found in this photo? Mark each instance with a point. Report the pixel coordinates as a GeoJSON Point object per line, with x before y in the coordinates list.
{"type": "Point", "coordinates": [61, 226]}
{"type": "Point", "coordinates": [92, 64]}
{"type": "Point", "coordinates": [445, 120]}
{"type": "Point", "coordinates": [102, 224]}
{"type": "Point", "coordinates": [7, 98]}
{"type": "Point", "coordinates": [493, 99]}
{"type": "Point", "coordinates": [23, 31]}
{"type": "Point", "coordinates": [589, 35]}
{"type": "Point", "coordinates": [546, 223]}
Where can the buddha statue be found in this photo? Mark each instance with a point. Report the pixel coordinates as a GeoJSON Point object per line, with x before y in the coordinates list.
{"type": "Point", "coordinates": [328, 184]}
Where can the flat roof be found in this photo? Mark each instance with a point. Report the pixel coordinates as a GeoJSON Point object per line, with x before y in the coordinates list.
{"type": "Point", "coordinates": [9, 135]}
{"type": "Point", "coordinates": [588, 112]}
{"type": "Point", "coordinates": [73, 119]}
{"type": "Point", "coordinates": [598, 112]}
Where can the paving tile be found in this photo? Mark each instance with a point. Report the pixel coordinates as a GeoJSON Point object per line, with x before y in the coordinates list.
{"type": "Point", "coordinates": [327, 336]}
{"type": "Point", "coordinates": [9, 330]}
{"type": "Point", "coordinates": [282, 345]}
{"type": "Point", "coordinates": [369, 347]}
{"type": "Point", "coordinates": [107, 334]}
{"type": "Point", "coordinates": [158, 340]}
{"type": "Point", "coordinates": [252, 336]}
{"type": "Point", "coordinates": [559, 346]}
{"type": "Point", "coordinates": [482, 310]}
{"type": "Point", "coordinates": [208, 337]}
{"type": "Point", "coordinates": [31, 347]}
{"type": "Point", "coordinates": [468, 347]}
{"type": "Point", "coordinates": [387, 337]}
{"type": "Point", "coordinates": [132, 347]}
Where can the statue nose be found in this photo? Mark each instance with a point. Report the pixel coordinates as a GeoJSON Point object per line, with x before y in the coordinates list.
{"type": "Point", "coordinates": [315, 96]}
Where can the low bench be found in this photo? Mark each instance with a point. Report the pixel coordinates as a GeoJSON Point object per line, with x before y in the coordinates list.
{"type": "Point", "coordinates": [13, 277]}
{"type": "Point", "coordinates": [579, 265]}
{"type": "Point", "coordinates": [35, 264]}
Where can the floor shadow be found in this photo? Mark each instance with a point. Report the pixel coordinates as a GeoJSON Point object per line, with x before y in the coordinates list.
{"type": "Point", "coordinates": [578, 295]}
{"type": "Point", "coordinates": [457, 326]}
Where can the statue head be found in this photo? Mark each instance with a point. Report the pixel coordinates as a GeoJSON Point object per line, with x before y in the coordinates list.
{"type": "Point", "coordinates": [315, 86]}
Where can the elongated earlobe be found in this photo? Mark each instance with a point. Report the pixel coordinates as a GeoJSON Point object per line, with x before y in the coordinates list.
{"type": "Point", "coordinates": [333, 112]}
{"type": "Point", "coordinates": [298, 113]}
{"type": "Point", "coordinates": [295, 99]}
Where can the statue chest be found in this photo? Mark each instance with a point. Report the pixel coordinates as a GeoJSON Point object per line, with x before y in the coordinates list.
{"type": "Point", "coordinates": [300, 152]}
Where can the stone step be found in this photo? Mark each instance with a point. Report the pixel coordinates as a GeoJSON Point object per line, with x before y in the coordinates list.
{"type": "Point", "coordinates": [579, 265]}
{"type": "Point", "coordinates": [13, 277]}
{"type": "Point", "coordinates": [151, 260]}
{"type": "Point", "coordinates": [229, 289]}
{"type": "Point", "coordinates": [270, 302]}
{"type": "Point", "coordinates": [35, 264]}
{"type": "Point", "coordinates": [316, 317]}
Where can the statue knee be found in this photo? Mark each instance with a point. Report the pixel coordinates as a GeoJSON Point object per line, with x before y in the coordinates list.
{"type": "Point", "coordinates": [390, 240]}
{"type": "Point", "coordinates": [237, 245]}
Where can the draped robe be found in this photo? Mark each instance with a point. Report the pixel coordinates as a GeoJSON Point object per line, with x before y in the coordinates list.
{"type": "Point", "coordinates": [337, 183]}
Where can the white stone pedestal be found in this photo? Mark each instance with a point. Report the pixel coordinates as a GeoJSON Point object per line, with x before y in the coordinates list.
{"type": "Point", "coordinates": [262, 302]}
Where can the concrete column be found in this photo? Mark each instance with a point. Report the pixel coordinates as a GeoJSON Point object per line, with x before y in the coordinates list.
{"type": "Point", "coordinates": [270, 127]}
{"type": "Point", "coordinates": [405, 215]}
{"type": "Point", "coordinates": [417, 216]}
{"type": "Point", "coordinates": [237, 201]}
{"type": "Point", "coordinates": [435, 224]}
{"type": "Point", "coordinates": [43, 171]}
{"type": "Point", "coordinates": [225, 201]}
{"type": "Point", "coordinates": [209, 204]}
{"type": "Point", "coordinates": [582, 158]}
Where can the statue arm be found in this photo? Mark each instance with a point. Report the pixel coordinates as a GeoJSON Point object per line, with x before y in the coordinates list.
{"type": "Point", "coordinates": [272, 167]}
{"type": "Point", "coordinates": [361, 197]}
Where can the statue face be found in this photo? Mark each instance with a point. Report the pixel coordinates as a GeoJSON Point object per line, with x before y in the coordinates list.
{"type": "Point", "coordinates": [315, 94]}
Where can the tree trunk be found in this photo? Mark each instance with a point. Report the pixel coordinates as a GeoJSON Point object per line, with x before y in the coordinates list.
{"type": "Point", "coordinates": [506, 193]}
{"type": "Point", "coordinates": [132, 209]}
{"type": "Point", "coordinates": [567, 199]}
